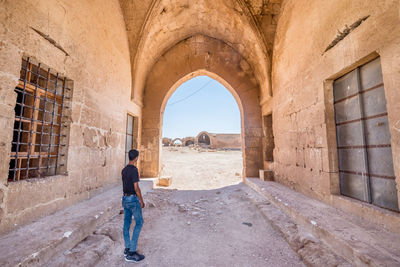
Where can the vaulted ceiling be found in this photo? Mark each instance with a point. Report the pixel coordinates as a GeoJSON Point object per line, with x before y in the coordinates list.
{"type": "Point", "coordinates": [154, 26]}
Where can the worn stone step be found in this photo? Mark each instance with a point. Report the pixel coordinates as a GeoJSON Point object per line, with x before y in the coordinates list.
{"type": "Point", "coordinates": [34, 244]}
{"type": "Point", "coordinates": [311, 250]}
{"type": "Point", "coordinates": [358, 241]}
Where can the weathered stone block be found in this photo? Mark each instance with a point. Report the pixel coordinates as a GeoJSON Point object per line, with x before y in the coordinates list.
{"type": "Point", "coordinates": [300, 157]}
{"type": "Point", "coordinates": [164, 181]}
{"type": "Point", "coordinates": [313, 159]}
{"type": "Point", "coordinates": [253, 142]}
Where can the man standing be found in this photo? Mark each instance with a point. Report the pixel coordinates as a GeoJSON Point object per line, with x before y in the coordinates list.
{"type": "Point", "coordinates": [132, 202]}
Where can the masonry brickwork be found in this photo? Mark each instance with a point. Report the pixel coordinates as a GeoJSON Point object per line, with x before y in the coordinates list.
{"type": "Point", "coordinates": [302, 80]}
{"type": "Point", "coordinates": [95, 38]}
{"type": "Point", "coordinates": [222, 141]}
{"type": "Point", "coordinates": [128, 57]}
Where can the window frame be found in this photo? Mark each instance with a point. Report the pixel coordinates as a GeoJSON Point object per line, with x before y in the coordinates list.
{"type": "Point", "coordinates": [41, 110]}
{"type": "Point", "coordinates": [133, 134]}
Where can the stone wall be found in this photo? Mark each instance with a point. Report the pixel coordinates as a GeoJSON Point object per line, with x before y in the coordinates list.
{"type": "Point", "coordinates": [228, 141]}
{"type": "Point", "coordinates": [224, 141]}
{"type": "Point", "coordinates": [166, 141]}
{"type": "Point", "coordinates": [93, 34]}
{"type": "Point", "coordinates": [146, 49]}
{"type": "Point", "coordinates": [302, 75]}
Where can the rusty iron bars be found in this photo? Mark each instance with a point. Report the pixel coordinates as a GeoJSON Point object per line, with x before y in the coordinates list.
{"type": "Point", "coordinates": [39, 122]}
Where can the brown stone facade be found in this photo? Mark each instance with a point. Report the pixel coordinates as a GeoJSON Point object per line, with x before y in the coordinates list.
{"type": "Point", "coordinates": [305, 154]}
{"type": "Point", "coordinates": [208, 140]}
{"type": "Point", "coordinates": [219, 141]}
{"type": "Point", "coordinates": [98, 63]}
{"type": "Point", "coordinates": [128, 57]}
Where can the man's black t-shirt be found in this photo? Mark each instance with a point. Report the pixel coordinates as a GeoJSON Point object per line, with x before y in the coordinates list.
{"type": "Point", "coordinates": [130, 176]}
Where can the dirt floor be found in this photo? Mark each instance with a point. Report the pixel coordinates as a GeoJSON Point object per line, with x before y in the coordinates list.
{"type": "Point", "coordinates": [205, 218]}
{"type": "Point", "coordinates": [201, 169]}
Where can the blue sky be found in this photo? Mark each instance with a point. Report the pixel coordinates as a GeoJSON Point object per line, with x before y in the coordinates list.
{"type": "Point", "coordinates": [200, 104]}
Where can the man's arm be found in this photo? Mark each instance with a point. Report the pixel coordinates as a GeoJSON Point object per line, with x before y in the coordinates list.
{"type": "Point", "coordinates": [139, 193]}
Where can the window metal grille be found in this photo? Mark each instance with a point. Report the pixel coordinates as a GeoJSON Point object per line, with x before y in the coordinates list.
{"type": "Point", "coordinates": [39, 144]}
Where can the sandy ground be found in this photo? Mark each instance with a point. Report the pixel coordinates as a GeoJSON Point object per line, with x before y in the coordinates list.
{"type": "Point", "coordinates": [198, 169]}
{"type": "Point", "coordinates": [204, 219]}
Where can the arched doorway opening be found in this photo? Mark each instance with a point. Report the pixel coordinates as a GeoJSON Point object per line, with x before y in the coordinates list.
{"type": "Point", "coordinates": [166, 142]}
{"type": "Point", "coordinates": [189, 58]}
{"type": "Point", "coordinates": [177, 142]}
{"type": "Point", "coordinates": [203, 139]}
{"type": "Point", "coordinates": [189, 143]}
{"type": "Point", "coordinates": [195, 104]}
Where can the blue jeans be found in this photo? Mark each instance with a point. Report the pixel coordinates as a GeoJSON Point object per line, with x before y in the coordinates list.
{"type": "Point", "coordinates": [132, 207]}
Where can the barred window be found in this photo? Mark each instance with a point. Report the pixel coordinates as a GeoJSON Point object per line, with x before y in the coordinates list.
{"type": "Point", "coordinates": [131, 135]}
{"type": "Point", "coordinates": [40, 135]}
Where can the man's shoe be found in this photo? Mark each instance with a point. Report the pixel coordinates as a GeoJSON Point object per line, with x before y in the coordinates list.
{"type": "Point", "coordinates": [126, 251]}
{"type": "Point", "coordinates": [134, 257]}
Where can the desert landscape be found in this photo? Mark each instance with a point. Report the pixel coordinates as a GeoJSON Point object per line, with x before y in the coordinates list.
{"type": "Point", "coordinates": [196, 168]}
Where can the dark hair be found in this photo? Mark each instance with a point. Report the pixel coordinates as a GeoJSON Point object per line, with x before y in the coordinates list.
{"type": "Point", "coordinates": [133, 154]}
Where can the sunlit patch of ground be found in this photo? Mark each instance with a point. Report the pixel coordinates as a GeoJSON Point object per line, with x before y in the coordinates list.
{"type": "Point", "coordinates": [199, 169]}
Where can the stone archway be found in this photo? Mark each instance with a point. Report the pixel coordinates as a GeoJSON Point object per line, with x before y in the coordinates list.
{"type": "Point", "coordinates": [194, 56]}
{"type": "Point", "coordinates": [187, 141]}
{"type": "Point", "coordinates": [166, 141]}
{"type": "Point", "coordinates": [176, 140]}
{"type": "Point", "coordinates": [203, 139]}
{"type": "Point", "coordinates": [168, 22]}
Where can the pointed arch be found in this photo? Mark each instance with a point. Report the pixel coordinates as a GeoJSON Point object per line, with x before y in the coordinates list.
{"type": "Point", "coordinates": [169, 22]}
{"type": "Point", "coordinates": [204, 137]}
{"type": "Point", "coordinates": [201, 55]}
{"type": "Point", "coordinates": [177, 139]}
